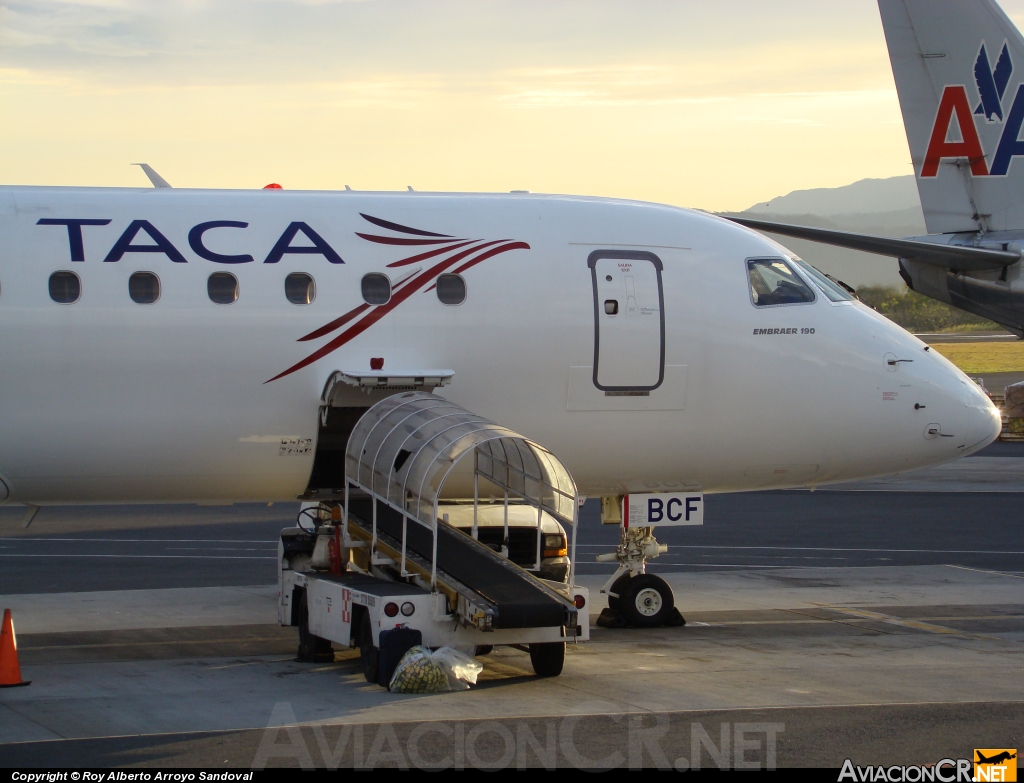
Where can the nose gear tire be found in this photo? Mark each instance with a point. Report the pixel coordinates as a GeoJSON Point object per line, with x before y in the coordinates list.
{"type": "Point", "coordinates": [646, 601]}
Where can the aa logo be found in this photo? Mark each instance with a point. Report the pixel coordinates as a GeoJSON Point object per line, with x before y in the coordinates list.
{"type": "Point", "coordinates": [954, 134]}
{"type": "Point", "coordinates": [999, 764]}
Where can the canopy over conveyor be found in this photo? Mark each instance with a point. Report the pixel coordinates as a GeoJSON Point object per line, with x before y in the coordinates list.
{"type": "Point", "coordinates": [399, 457]}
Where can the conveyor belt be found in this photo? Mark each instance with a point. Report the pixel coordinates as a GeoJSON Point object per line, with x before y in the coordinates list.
{"type": "Point", "coordinates": [371, 584]}
{"type": "Point", "coordinates": [521, 599]}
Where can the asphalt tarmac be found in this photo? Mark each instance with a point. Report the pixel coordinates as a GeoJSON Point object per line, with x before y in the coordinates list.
{"type": "Point", "coordinates": [877, 624]}
{"type": "Point", "coordinates": [800, 737]}
{"type": "Point", "coordinates": [104, 548]}
{"type": "Point", "coordinates": [753, 530]}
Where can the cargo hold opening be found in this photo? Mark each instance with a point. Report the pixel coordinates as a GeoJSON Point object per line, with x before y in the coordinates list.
{"type": "Point", "coordinates": [347, 396]}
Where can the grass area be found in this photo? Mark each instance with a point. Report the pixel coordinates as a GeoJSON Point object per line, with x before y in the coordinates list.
{"type": "Point", "coordinates": [918, 313]}
{"type": "Point", "coordinates": [982, 328]}
{"type": "Point", "coordinates": [984, 357]}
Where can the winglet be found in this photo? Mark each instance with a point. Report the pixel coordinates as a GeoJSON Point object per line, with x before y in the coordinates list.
{"type": "Point", "coordinates": [156, 179]}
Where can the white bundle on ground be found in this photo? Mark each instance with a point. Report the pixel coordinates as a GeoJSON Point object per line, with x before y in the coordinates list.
{"type": "Point", "coordinates": [461, 669]}
{"type": "Point", "coordinates": [444, 669]}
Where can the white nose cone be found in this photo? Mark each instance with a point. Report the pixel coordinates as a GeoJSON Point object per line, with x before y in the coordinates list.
{"type": "Point", "coordinates": [981, 421]}
{"type": "Point", "coordinates": [930, 412]}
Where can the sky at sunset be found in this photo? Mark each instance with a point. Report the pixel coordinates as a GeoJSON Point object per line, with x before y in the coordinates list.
{"type": "Point", "coordinates": [713, 104]}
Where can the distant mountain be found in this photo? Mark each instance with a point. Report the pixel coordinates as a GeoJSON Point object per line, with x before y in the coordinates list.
{"type": "Point", "coordinates": [886, 207]}
{"type": "Point", "coordinates": [867, 195]}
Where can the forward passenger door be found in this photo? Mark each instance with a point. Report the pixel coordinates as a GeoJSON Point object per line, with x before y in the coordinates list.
{"type": "Point", "coordinates": [629, 328]}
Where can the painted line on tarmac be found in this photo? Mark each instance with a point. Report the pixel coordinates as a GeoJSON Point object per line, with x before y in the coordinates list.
{"type": "Point", "coordinates": [916, 625]}
{"type": "Point", "coordinates": [216, 549]}
{"type": "Point", "coordinates": [156, 540]}
{"type": "Point", "coordinates": [603, 569]}
{"type": "Point", "coordinates": [940, 484]}
{"type": "Point", "coordinates": [787, 557]}
{"type": "Point", "coordinates": [730, 623]}
{"type": "Point", "coordinates": [1010, 574]}
{"type": "Point", "coordinates": [23, 647]}
{"type": "Point", "coordinates": [817, 549]}
{"type": "Point", "coordinates": [609, 567]}
{"type": "Point", "coordinates": [153, 557]}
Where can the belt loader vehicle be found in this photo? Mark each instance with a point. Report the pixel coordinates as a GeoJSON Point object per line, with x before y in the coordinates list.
{"type": "Point", "coordinates": [390, 554]}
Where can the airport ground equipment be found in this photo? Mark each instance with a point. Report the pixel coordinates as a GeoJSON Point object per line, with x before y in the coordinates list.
{"type": "Point", "coordinates": [635, 597]}
{"type": "Point", "coordinates": [384, 558]}
{"type": "Point", "coordinates": [1013, 412]}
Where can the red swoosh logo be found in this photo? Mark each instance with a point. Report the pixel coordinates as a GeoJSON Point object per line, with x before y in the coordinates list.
{"type": "Point", "coordinates": [471, 252]}
{"type": "Point", "coordinates": [403, 240]}
{"type": "Point", "coordinates": [430, 254]}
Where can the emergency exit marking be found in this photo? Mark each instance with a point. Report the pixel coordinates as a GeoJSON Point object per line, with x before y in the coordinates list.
{"type": "Point", "coordinates": [663, 509]}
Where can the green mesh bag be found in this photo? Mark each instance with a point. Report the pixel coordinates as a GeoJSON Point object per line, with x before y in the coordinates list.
{"type": "Point", "coordinates": [418, 673]}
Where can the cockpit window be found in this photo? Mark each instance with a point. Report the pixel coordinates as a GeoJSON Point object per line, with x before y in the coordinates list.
{"type": "Point", "coordinates": [828, 286]}
{"type": "Point", "coordinates": [773, 282]}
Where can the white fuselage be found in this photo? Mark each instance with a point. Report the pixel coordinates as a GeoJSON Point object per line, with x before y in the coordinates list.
{"type": "Point", "coordinates": [106, 400]}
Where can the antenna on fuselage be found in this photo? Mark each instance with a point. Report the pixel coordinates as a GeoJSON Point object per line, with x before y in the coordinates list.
{"type": "Point", "coordinates": [156, 179]}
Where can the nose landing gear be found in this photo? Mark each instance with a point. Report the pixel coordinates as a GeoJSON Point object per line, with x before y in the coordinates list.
{"type": "Point", "coordinates": [636, 598]}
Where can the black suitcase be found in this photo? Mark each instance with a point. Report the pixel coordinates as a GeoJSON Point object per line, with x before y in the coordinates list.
{"type": "Point", "coordinates": [393, 645]}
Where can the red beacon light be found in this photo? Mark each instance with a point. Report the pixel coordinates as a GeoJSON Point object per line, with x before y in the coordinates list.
{"type": "Point", "coordinates": [272, 186]}
{"type": "Point", "coordinates": [377, 363]}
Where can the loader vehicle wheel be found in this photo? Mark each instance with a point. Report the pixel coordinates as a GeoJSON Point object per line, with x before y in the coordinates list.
{"type": "Point", "coordinates": [311, 647]}
{"type": "Point", "coordinates": [483, 649]}
{"type": "Point", "coordinates": [368, 654]}
{"type": "Point", "coordinates": [647, 601]}
{"type": "Point", "coordinates": [547, 658]}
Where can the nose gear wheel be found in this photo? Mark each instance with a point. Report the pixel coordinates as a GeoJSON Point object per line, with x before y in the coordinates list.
{"type": "Point", "coordinates": [647, 601]}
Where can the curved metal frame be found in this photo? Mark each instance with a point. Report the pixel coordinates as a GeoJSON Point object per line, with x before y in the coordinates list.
{"type": "Point", "coordinates": [393, 422]}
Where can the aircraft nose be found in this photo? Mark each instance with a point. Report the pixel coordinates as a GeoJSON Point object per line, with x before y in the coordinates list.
{"type": "Point", "coordinates": [981, 420]}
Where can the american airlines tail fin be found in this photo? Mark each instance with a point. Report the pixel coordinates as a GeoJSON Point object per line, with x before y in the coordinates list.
{"type": "Point", "coordinates": [959, 68]}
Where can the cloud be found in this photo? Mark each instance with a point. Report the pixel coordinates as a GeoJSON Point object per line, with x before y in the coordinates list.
{"type": "Point", "coordinates": [292, 41]}
{"type": "Point", "coordinates": [694, 101]}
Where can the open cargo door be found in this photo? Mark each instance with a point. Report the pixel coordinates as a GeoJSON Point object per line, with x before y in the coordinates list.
{"type": "Point", "coordinates": [347, 395]}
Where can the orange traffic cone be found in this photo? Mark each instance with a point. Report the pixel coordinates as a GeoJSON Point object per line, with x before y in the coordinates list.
{"type": "Point", "coordinates": [10, 671]}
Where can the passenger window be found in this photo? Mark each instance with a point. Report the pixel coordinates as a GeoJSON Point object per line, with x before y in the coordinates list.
{"type": "Point", "coordinates": [222, 288]}
{"type": "Point", "coordinates": [144, 287]}
{"type": "Point", "coordinates": [773, 282]}
{"type": "Point", "coordinates": [65, 287]}
{"type": "Point", "coordinates": [451, 289]}
{"type": "Point", "coordinates": [376, 289]}
{"type": "Point", "coordinates": [831, 288]}
{"type": "Point", "coordinates": [299, 288]}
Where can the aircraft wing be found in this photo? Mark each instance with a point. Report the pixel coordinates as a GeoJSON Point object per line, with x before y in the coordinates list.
{"type": "Point", "coordinates": [959, 257]}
